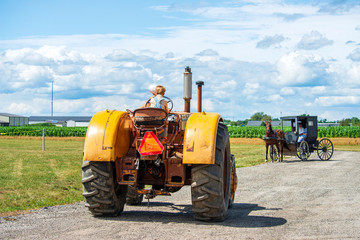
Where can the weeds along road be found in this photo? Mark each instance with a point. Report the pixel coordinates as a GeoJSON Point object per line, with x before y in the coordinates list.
{"type": "Point", "coordinates": [290, 200]}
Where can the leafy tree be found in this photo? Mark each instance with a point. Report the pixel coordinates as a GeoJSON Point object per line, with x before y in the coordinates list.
{"type": "Point", "coordinates": [355, 121]}
{"type": "Point", "coordinates": [260, 116]}
{"type": "Point", "coordinates": [257, 116]}
{"type": "Point", "coordinates": [345, 122]}
{"type": "Point", "coordinates": [266, 118]}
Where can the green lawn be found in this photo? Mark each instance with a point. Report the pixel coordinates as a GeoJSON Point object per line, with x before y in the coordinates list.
{"type": "Point", "coordinates": [248, 155]}
{"type": "Point", "coordinates": [353, 148]}
{"type": "Point", "coordinates": [31, 178]}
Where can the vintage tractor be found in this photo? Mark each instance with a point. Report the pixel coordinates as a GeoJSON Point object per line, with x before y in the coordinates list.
{"type": "Point", "coordinates": [149, 152]}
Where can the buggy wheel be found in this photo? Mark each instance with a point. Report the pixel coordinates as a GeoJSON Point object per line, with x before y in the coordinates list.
{"type": "Point", "coordinates": [274, 153]}
{"type": "Point", "coordinates": [103, 195]}
{"type": "Point", "coordinates": [325, 149]}
{"type": "Point", "coordinates": [210, 183]}
{"type": "Point", "coordinates": [302, 151]}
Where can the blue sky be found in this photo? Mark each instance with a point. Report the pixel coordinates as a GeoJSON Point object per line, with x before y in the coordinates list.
{"type": "Point", "coordinates": [277, 57]}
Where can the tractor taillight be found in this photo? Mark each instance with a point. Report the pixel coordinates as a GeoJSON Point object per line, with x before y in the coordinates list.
{"type": "Point", "coordinates": [150, 145]}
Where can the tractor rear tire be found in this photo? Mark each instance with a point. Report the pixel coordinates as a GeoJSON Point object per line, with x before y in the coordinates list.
{"type": "Point", "coordinates": [103, 195]}
{"type": "Point", "coordinates": [233, 181]}
{"type": "Point", "coordinates": [210, 187]}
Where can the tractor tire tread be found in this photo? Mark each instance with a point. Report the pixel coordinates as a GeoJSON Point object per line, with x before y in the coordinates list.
{"type": "Point", "coordinates": [97, 170]}
{"type": "Point", "coordinates": [209, 203]}
{"type": "Point", "coordinates": [90, 194]}
{"type": "Point", "coordinates": [103, 196]}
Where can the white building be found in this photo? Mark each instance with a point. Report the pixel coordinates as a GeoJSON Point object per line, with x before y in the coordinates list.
{"type": "Point", "coordinates": [12, 120]}
{"type": "Point", "coordinates": [66, 121]}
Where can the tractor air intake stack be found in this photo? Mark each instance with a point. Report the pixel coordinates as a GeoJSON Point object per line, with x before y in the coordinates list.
{"type": "Point", "coordinates": [199, 84]}
{"type": "Point", "coordinates": [187, 88]}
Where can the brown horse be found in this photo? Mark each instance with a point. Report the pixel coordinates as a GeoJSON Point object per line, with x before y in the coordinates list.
{"type": "Point", "coordinates": [274, 138]}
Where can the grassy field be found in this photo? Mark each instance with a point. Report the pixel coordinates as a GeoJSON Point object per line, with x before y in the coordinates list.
{"type": "Point", "coordinates": [31, 178]}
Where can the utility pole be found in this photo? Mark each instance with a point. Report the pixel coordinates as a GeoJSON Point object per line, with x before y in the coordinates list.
{"type": "Point", "coordinates": [52, 97]}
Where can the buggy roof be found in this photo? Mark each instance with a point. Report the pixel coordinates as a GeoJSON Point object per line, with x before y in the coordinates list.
{"type": "Point", "coordinates": [297, 117]}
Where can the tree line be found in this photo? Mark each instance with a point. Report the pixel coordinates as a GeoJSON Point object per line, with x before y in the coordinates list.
{"type": "Point", "coordinates": [261, 116]}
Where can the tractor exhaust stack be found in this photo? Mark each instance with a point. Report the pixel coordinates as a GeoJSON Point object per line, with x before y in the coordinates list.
{"type": "Point", "coordinates": [187, 88]}
{"type": "Point", "coordinates": [199, 84]}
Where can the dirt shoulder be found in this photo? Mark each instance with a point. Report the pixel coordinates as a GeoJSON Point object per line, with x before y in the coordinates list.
{"type": "Point", "coordinates": [291, 200]}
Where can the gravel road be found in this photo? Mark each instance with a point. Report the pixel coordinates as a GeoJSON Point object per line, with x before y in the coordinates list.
{"type": "Point", "coordinates": [290, 200]}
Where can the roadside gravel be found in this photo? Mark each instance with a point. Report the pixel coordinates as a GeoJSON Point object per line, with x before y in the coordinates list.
{"type": "Point", "coordinates": [290, 200]}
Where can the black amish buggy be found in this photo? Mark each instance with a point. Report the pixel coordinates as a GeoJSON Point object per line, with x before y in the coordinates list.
{"type": "Point", "coordinates": [303, 149]}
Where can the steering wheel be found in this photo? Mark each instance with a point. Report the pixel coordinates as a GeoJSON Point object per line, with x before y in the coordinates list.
{"type": "Point", "coordinates": [167, 99]}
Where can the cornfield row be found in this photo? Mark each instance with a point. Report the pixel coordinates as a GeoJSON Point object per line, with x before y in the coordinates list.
{"type": "Point", "coordinates": [259, 132]}
{"type": "Point", "coordinates": [234, 132]}
{"type": "Point", "coordinates": [49, 131]}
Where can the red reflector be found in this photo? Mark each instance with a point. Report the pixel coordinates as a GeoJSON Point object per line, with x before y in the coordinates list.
{"type": "Point", "coordinates": [150, 145]}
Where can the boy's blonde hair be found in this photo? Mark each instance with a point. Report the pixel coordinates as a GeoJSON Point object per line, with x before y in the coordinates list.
{"type": "Point", "coordinates": [159, 89]}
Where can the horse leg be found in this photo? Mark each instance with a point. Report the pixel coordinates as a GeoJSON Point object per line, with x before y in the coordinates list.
{"type": "Point", "coordinates": [279, 152]}
{"type": "Point", "coordinates": [266, 146]}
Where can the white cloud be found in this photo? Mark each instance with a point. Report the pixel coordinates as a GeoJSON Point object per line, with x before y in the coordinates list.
{"type": "Point", "coordinates": [287, 91]}
{"type": "Point", "coordinates": [208, 52]}
{"type": "Point", "coordinates": [318, 90]}
{"type": "Point", "coordinates": [355, 55]}
{"type": "Point", "coordinates": [269, 41]}
{"type": "Point", "coordinates": [298, 69]}
{"type": "Point", "coordinates": [314, 40]}
{"type": "Point", "coordinates": [292, 70]}
{"type": "Point", "coordinates": [208, 105]}
{"type": "Point", "coordinates": [290, 17]}
{"type": "Point", "coordinates": [21, 108]}
{"type": "Point", "coordinates": [28, 107]}
{"type": "Point", "coordinates": [330, 101]}
{"type": "Point", "coordinates": [275, 98]}
{"type": "Point", "coordinates": [353, 75]}
{"type": "Point", "coordinates": [251, 88]}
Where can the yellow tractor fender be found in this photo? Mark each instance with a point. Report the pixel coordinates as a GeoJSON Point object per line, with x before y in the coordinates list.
{"type": "Point", "coordinates": [108, 136]}
{"type": "Point", "coordinates": [200, 138]}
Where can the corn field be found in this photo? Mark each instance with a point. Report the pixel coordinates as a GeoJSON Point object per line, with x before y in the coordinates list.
{"type": "Point", "coordinates": [234, 131]}
{"type": "Point", "coordinates": [49, 131]}
{"type": "Point", "coordinates": [259, 132]}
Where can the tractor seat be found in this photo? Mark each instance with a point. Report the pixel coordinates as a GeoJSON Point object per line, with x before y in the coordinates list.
{"type": "Point", "coordinates": [150, 116]}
